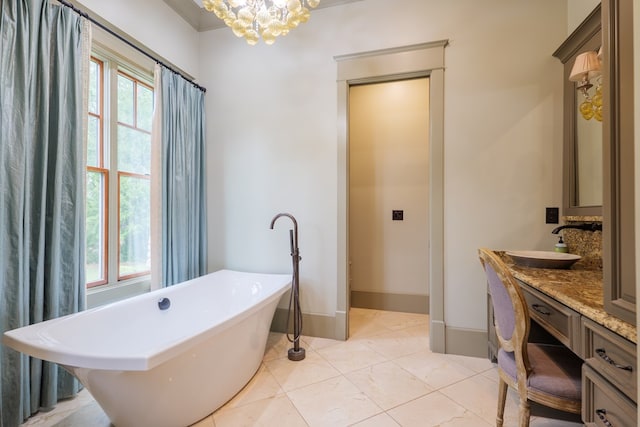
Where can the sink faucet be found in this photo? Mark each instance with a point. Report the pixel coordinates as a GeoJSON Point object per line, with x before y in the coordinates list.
{"type": "Point", "coordinates": [592, 226]}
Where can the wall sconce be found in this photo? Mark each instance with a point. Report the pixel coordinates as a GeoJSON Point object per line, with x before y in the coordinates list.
{"type": "Point", "coordinates": [586, 68]}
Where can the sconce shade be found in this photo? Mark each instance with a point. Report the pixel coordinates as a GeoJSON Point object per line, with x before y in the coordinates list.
{"type": "Point", "coordinates": [585, 67]}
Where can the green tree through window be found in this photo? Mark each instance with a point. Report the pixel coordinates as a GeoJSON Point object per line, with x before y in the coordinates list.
{"type": "Point", "coordinates": [119, 159]}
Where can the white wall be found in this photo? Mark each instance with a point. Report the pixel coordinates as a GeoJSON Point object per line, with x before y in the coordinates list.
{"type": "Point", "coordinates": [154, 24]}
{"type": "Point", "coordinates": [272, 132]}
{"type": "Point", "coordinates": [577, 10]}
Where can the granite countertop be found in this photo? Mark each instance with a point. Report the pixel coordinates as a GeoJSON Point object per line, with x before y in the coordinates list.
{"type": "Point", "coordinates": [580, 290]}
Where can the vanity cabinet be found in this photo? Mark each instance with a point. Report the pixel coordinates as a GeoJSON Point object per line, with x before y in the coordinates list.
{"type": "Point", "coordinates": [612, 356]}
{"type": "Point", "coordinates": [557, 319]}
{"type": "Point", "coordinates": [567, 304]}
{"type": "Point", "coordinates": [609, 378]}
{"type": "Point", "coordinates": [602, 404]}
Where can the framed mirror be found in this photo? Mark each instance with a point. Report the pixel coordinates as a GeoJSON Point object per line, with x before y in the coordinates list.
{"type": "Point", "coordinates": [582, 191]}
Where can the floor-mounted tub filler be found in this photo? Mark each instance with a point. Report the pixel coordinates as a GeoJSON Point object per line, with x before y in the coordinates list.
{"type": "Point", "coordinates": [167, 358]}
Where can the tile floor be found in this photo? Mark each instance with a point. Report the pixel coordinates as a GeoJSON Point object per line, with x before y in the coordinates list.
{"type": "Point", "coordinates": [384, 375]}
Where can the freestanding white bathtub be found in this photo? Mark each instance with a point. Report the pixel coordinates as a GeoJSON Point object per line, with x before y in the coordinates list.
{"type": "Point", "coordinates": [148, 366]}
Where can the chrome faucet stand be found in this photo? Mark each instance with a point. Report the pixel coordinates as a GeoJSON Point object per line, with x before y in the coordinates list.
{"type": "Point", "coordinates": [296, 353]}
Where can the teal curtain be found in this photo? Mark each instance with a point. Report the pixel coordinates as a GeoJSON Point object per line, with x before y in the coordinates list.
{"type": "Point", "coordinates": [184, 226]}
{"type": "Point", "coordinates": [41, 192]}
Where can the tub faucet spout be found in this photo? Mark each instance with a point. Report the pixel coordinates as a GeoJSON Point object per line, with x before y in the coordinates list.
{"type": "Point", "coordinates": [296, 353]}
{"type": "Point", "coordinates": [294, 236]}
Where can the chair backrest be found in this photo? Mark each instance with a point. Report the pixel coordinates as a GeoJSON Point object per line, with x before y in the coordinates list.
{"type": "Point", "coordinates": [509, 306]}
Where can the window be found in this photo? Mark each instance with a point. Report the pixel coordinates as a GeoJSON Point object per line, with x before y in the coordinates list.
{"type": "Point", "coordinates": [120, 111]}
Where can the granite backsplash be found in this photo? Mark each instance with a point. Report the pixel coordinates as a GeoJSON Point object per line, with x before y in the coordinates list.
{"type": "Point", "coordinates": [587, 244]}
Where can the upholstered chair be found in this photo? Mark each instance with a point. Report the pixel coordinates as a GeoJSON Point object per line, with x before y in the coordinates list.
{"type": "Point", "coordinates": [543, 373]}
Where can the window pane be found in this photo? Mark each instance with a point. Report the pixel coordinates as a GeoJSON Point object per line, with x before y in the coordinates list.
{"type": "Point", "coordinates": [125, 100]}
{"type": "Point", "coordinates": [145, 107]}
{"type": "Point", "coordinates": [134, 225]}
{"type": "Point", "coordinates": [94, 87]}
{"type": "Point", "coordinates": [93, 142]}
{"type": "Point", "coordinates": [94, 261]}
{"type": "Point", "coordinates": [134, 150]}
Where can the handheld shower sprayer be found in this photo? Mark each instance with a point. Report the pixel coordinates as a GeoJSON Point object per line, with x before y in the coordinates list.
{"type": "Point", "coordinates": [296, 353]}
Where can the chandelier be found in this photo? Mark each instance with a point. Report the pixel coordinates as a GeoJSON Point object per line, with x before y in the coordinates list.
{"type": "Point", "coordinates": [266, 19]}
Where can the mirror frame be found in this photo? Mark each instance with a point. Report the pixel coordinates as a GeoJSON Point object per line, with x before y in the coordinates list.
{"type": "Point", "coordinates": [588, 36]}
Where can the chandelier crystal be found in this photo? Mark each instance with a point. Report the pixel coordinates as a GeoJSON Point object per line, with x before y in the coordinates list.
{"type": "Point", "coordinates": [266, 19]}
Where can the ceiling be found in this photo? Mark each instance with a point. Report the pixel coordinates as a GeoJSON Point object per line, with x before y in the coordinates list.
{"type": "Point", "coordinates": [193, 12]}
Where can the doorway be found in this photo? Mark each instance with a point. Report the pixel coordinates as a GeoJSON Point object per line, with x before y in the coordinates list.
{"type": "Point", "coordinates": [404, 62]}
{"type": "Point", "coordinates": [389, 195]}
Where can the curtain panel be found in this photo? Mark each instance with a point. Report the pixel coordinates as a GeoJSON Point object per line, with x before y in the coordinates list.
{"type": "Point", "coordinates": [41, 192]}
{"type": "Point", "coordinates": [183, 157]}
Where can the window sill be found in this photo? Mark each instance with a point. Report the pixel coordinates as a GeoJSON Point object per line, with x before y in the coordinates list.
{"type": "Point", "coordinates": [106, 294]}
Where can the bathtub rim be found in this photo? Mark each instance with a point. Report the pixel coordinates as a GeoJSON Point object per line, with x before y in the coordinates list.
{"type": "Point", "coordinates": [33, 340]}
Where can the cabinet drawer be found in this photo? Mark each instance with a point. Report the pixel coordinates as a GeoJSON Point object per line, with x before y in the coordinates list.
{"type": "Point", "coordinates": [559, 320]}
{"type": "Point", "coordinates": [612, 356]}
{"type": "Point", "coordinates": [601, 402]}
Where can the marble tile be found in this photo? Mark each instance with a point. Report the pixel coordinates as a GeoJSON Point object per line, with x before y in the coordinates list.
{"type": "Point", "coordinates": [476, 364]}
{"type": "Point", "coordinates": [275, 411]}
{"type": "Point", "coordinates": [397, 344]}
{"type": "Point", "coordinates": [396, 321]}
{"type": "Point", "coordinates": [417, 331]}
{"type": "Point", "coordinates": [315, 343]}
{"type": "Point", "coordinates": [277, 346]}
{"type": "Point", "coordinates": [492, 374]}
{"type": "Point", "coordinates": [380, 420]}
{"type": "Point", "coordinates": [263, 385]}
{"type": "Point", "coordinates": [365, 323]}
{"type": "Point", "coordinates": [63, 410]}
{"type": "Point", "coordinates": [334, 402]}
{"type": "Point", "coordinates": [479, 394]}
{"type": "Point", "coordinates": [291, 375]}
{"type": "Point", "coordinates": [88, 415]}
{"type": "Point", "coordinates": [351, 355]}
{"type": "Point", "coordinates": [435, 409]}
{"type": "Point", "coordinates": [388, 385]}
{"type": "Point", "coordinates": [435, 369]}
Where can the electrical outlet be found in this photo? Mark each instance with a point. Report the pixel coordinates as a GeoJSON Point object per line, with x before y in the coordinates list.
{"type": "Point", "coordinates": [552, 216]}
{"type": "Point", "coordinates": [397, 215]}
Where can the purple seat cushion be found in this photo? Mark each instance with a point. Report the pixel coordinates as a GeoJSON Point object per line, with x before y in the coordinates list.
{"type": "Point", "coordinates": [555, 370]}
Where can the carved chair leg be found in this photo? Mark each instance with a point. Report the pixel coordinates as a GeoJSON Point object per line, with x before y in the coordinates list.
{"type": "Point", "coordinates": [502, 397]}
{"type": "Point", "coordinates": [524, 413]}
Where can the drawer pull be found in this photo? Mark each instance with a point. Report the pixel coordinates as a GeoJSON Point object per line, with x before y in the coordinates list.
{"type": "Point", "coordinates": [603, 355]}
{"type": "Point", "coordinates": [541, 309]}
{"type": "Point", "coordinates": [602, 414]}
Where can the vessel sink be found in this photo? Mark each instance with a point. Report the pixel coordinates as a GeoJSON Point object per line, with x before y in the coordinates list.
{"type": "Point", "coordinates": [543, 259]}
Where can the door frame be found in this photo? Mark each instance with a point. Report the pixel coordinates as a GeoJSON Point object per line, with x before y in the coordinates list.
{"type": "Point", "coordinates": [420, 60]}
